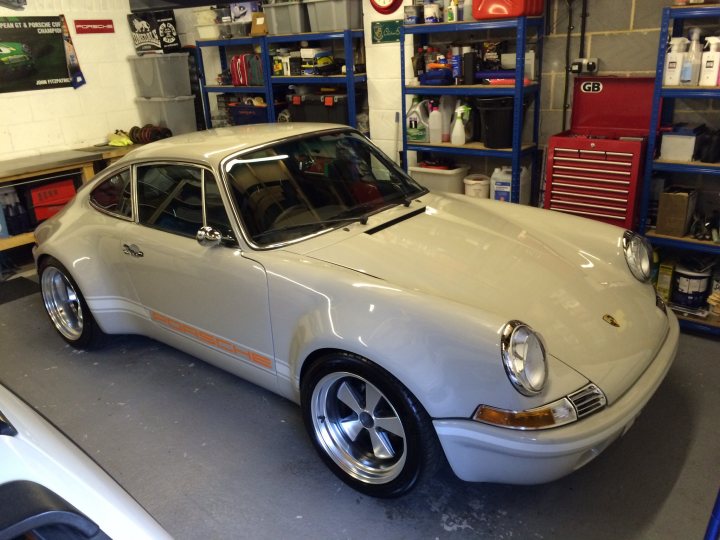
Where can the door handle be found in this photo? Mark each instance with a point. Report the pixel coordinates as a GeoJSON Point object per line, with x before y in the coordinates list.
{"type": "Point", "coordinates": [133, 250]}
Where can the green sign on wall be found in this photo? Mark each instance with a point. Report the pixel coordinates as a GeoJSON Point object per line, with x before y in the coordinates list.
{"type": "Point", "coordinates": [386, 31]}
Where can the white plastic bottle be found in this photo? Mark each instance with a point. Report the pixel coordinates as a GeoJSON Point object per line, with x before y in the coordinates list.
{"type": "Point", "coordinates": [457, 137]}
{"type": "Point", "coordinates": [710, 68]}
{"type": "Point", "coordinates": [435, 126]}
{"type": "Point", "coordinates": [451, 11]}
{"type": "Point", "coordinates": [690, 73]}
{"type": "Point", "coordinates": [674, 61]}
{"type": "Point", "coordinates": [447, 110]}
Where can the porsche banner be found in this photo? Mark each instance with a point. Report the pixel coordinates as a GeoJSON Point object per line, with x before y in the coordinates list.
{"type": "Point", "coordinates": [37, 53]}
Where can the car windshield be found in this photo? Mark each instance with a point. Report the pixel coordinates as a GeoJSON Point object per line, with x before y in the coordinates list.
{"type": "Point", "coordinates": [306, 185]}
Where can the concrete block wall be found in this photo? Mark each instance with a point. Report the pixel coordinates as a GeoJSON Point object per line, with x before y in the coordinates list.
{"type": "Point", "coordinates": [42, 121]}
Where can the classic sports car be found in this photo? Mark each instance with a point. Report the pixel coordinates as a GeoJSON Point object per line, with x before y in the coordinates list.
{"type": "Point", "coordinates": [50, 489]}
{"type": "Point", "coordinates": [15, 59]}
{"type": "Point", "coordinates": [409, 325]}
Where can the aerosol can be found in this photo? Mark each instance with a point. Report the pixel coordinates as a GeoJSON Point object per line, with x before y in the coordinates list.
{"type": "Point", "coordinates": [674, 60]}
{"type": "Point", "coordinates": [690, 72]}
{"type": "Point", "coordinates": [710, 68]}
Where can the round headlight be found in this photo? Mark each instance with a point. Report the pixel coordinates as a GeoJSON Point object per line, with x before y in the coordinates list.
{"type": "Point", "coordinates": [523, 355]}
{"type": "Point", "coordinates": [638, 254]}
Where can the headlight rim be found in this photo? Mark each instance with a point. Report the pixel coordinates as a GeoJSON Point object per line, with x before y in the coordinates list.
{"type": "Point", "coordinates": [629, 237]}
{"type": "Point", "coordinates": [519, 380]}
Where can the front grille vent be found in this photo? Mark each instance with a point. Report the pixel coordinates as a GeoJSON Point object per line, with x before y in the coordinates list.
{"type": "Point", "coordinates": [588, 400]}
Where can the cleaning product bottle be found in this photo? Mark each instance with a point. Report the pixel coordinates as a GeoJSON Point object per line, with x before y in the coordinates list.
{"type": "Point", "coordinates": [457, 137]}
{"type": "Point", "coordinates": [417, 121]}
{"type": "Point", "coordinates": [419, 63]}
{"type": "Point", "coordinates": [451, 11]}
{"type": "Point", "coordinates": [447, 108]}
{"type": "Point", "coordinates": [435, 125]}
{"type": "Point", "coordinates": [674, 61]}
{"type": "Point", "coordinates": [467, 6]}
{"type": "Point", "coordinates": [710, 69]}
{"type": "Point", "coordinates": [690, 72]}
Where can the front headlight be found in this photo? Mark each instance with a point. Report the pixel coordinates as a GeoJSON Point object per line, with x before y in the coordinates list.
{"type": "Point", "coordinates": [638, 254]}
{"type": "Point", "coordinates": [523, 355]}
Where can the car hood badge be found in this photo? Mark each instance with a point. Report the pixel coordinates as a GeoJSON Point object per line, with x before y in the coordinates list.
{"type": "Point", "coordinates": [611, 320]}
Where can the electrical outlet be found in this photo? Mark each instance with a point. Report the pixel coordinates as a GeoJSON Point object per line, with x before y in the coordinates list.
{"type": "Point", "coordinates": [584, 65]}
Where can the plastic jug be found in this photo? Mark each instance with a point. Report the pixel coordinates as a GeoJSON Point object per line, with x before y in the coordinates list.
{"type": "Point", "coordinates": [417, 121]}
{"type": "Point", "coordinates": [501, 184]}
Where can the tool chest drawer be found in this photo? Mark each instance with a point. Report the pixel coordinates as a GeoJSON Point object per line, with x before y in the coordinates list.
{"type": "Point", "coordinates": [594, 178]}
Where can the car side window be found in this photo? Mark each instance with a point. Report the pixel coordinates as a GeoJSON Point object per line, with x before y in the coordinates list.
{"type": "Point", "coordinates": [215, 213]}
{"type": "Point", "coordinates": [170, 198]}
{"type": "Point", "coordinates": [114, 195]}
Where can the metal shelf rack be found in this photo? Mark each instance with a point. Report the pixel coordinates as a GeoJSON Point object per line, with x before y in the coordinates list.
{"type": "Point", "coordinates": [349, 79]}
{"type": "Point", "coordinates": [673, 19]}
{"type": "Point", "coordinates": [518, 150]}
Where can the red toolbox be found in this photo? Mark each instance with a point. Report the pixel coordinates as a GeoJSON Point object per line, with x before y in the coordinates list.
{"type": "Point", "coordinates": [502, 9]}
{"type": "Point", "coordinates": [48, 199]}
{"type": "Point", "coordinates": [595, 169]}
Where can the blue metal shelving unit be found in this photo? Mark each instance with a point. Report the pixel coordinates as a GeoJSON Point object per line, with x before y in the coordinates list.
{"type": "Point", "coordinates": [349, 79]}
{"type": "Point", "coordinates": [673, 19]}
{"type": "Point", "coordinates": [518, 91]}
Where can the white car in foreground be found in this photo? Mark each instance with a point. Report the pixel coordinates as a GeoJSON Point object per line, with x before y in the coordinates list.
{"type": "Point", "coordinates": [50, 489]}
{"type": "Point", "coordinates": [410, 326]}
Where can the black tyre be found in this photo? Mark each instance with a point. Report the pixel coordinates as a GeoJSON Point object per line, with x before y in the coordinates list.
{"type": "Point", "coordinates": [66, 306]}
{"type": "Point", "coordinates": [367, 427]}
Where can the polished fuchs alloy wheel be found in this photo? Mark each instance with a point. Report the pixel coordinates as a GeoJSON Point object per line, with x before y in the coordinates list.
{"type": "Point", "coordinates": [62, 303]}
{"type": "Point", "coordinates": [359, 428]}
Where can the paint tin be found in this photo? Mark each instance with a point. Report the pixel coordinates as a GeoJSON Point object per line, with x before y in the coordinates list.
{"type": "Point", "coordinates": [690, 288]}
{"type": "Point", "coordinates": [414, 15]}
{"type": "Point", "coordinates": [432, 13]}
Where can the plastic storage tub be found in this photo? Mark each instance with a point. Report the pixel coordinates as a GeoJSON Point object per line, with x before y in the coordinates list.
{"type": "Point", "coordinates": [175, 113]}
{"type": "Point", "coordinates": [286, 17]}
{"type": "Point", "coordinates": [161, 75]}
{"type": "Point", "coordinates": [449, 180]}
{"type": "Point", "coordinates": [502, 9]}
{"type": "Point", "coordinates": [331, 15]}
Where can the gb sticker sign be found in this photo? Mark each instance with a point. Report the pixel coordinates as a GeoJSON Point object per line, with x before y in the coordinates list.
{"type": "Point", "coordinates": [591, 87]}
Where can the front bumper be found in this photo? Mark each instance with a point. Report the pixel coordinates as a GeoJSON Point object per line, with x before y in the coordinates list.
{"type": "Point", "coordinates": [483, 453]}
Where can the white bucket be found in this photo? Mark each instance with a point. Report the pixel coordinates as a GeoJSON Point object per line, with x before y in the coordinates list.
{"type": "Point", "coordinates": [477, 185]}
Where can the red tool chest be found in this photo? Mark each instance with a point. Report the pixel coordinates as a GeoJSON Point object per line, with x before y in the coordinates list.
{"type": "Point", "coordinates": [595, 169]}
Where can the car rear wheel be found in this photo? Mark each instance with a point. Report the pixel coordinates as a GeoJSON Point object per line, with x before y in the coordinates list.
{"type": "Point", "coordinates": [66, 306]}
{"type": "Point", "coordinates": [368, 428]}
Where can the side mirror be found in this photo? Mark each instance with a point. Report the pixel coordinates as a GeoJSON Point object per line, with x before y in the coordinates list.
{"type": "Point", "coordinates": [208, 237]}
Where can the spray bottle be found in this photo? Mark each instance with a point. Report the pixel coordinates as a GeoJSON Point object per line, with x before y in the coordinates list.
{"type": "Point", "coordinates": [710, 68]}
{"type": "Point", "coordinates": [457, 135]}
{"type": "Point", "coordinates": [690, 73]}
{"type": "Point", "coordinates": [674, 61]}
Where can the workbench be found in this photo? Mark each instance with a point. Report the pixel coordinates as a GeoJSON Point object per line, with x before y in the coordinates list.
{"type": "Point", "coordinates": [84, 162]}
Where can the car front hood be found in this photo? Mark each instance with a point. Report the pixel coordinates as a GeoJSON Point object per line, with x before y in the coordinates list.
{"type": "Point", "coordinates": [521, 263]}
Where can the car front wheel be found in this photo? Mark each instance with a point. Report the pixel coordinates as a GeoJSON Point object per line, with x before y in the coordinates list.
{"type": "Point", "coordinates": [368, 428]}
{"type": "Point", "coordinates": [66, 306]}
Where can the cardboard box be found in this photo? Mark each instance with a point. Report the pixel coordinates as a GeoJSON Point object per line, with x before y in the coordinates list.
{"type": "Point", "coordinates": [677, 147]}
{"type": "Point", "coordinates": [675, 211]}
{"type": "Point", "coordinates": [154, 32]}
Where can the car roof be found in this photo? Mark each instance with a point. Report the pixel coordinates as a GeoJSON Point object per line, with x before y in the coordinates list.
{"type": "Point", "coordinates": [213, 145]}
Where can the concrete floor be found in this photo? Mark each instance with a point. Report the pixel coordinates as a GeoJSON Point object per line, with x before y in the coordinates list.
{"type": "Point", "coordinates": [211, 456]}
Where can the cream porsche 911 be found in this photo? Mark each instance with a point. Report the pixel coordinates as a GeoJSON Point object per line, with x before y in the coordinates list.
{"type": "Point", "coordinates": [412, 327]}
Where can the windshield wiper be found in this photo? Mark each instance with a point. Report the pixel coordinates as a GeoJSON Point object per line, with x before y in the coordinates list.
{"type": "Point", "coordinates": [363, 219]}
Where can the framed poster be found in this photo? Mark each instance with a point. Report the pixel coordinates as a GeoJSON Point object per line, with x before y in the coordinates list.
{"type": "Point", "coordinates": [37, 53]}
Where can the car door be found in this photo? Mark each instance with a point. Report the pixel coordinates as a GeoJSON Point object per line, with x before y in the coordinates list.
{"type": "Point", "coordinates": [209, 301]}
